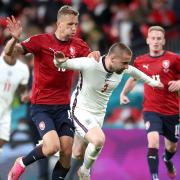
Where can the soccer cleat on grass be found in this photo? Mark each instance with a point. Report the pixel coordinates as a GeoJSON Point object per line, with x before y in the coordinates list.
{"type": "Point", "coordinates": [171, 170]}
{"type": "Point", "coordinates": [82, 175]}
{"type": "Point", "coordinates": [16, 171]}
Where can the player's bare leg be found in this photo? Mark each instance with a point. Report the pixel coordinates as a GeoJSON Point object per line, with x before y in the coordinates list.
{"type": "Point", "coordinates": [78, 150]}
{"type": "Point", "coordinates": [152, 157]}
{"type": "Point", "coordinates": [63, 165]}
{"type": "Point", "coordinates": [46, 149]}
{"type": "Point", "coordinates": [170, 150]}
{"type": "Point", "coordinates": [96, 139]}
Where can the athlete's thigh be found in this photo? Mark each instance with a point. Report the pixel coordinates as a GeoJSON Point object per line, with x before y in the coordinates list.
{"type": "Point", "coordinates": [95, 135]}
{"type": "Point", "coordinates": [5, 125]}
{"type": "Point", "coordinates": [171, 127]}
{"type": "Point", "coordinates": [42, 119]}
{"type": "Point", "coordinates": [63, 122]}
{"type": "Point", "coordinates": [79, 146]}
{"type": "Point", "coordinates": [83, 121]}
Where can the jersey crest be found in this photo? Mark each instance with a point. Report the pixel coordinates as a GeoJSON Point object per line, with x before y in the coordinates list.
{"type": "Point", "coordinates": [72, 52]}
{"type": "Point", "coordinates": [165, 65]}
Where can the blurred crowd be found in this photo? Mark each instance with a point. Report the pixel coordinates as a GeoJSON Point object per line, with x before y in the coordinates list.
{"type": "Point", "coordinates": [102, 22]}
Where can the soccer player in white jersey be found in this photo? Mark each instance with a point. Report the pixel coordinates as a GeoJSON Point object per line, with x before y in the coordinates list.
{"type": "Point", "coordinates": [89, 102]}
{"type": "Point", "coordinates": [14, 76]}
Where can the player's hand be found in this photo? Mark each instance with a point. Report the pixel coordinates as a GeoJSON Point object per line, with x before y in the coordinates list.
{"type": "Point", "coordinates": [14, 27]}
{"type": "Point", "coordinates": [95, 54]}
{"type": "Point", "coordinates": [174, 86]}
{"type": "Point", "coordinates": [59, 58]}
{"type": "Point", "coordinates": [160, 85]}
{"type": "Point", "coordinates": [124, 99]}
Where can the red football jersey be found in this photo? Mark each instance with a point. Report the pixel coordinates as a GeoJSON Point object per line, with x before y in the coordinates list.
{"type": "Point", "coordinates": [164, 68]}
{"type": "Point", "coordinates": [51, 86]}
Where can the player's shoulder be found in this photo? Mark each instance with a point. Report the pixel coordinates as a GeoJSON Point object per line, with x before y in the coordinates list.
{"type": "Point", "coordinates": [21, 65]}
{"type": "Point", "coordinates": [79, 42]}
{"type": "Point", "coordinates": [141, 57]}
{"type": "Point", "coordinates": [171, 54]}
{"type": "Point", "coordinates": [41, 36]}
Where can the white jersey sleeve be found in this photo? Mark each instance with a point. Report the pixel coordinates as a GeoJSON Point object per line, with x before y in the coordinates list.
{"type": "Point", "coordinates": [139, 75]}
{"type": "Point", "coordinates": [25, 75]}
{"type": "Point", "coordinates": [82, 63]}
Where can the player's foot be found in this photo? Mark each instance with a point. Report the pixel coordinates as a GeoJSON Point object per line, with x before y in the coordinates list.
{"type": "Point", "coordinates": [16, 170]}
{"type": "Point", "coordinates": [155, 177]}
{"type": "Point", "coordinates": [83, 175]}
{"type": "Point", "coordinates": [171, 170]}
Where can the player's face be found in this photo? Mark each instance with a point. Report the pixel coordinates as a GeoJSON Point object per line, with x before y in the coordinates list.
{"type": "Point", "coordinates": [156, 40]}
{"type": "Point", "coordinates": [67, 25]}
{"type": "Point", "coordinates": [120, 63]}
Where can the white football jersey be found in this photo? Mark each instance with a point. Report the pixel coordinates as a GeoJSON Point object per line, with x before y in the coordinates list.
{"type": "Point", "coordinates": [11, 76]}
{"type": "Point", "coordinates": [96, 83]}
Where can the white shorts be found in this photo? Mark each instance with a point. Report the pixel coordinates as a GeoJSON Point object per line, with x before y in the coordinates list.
{"type": "Point", "coordinates": [84, 121]}
{"type": "Point", "coordinates": [5, 125]}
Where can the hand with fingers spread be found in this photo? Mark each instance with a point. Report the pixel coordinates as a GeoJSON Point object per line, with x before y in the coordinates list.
{"type": "Point", "coordinates": [59, 58]}
{"type": "Point", "coordinates": [174, 86]}
{"type": "Point", "coordinates": [14, 27]}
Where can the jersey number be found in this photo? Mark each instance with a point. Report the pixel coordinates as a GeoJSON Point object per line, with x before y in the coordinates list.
{"type": "Point", "coordinates": [156, 77]}
{"type": "Point", "coordinates": [7, 86]}
{"type": "Point", "coordinates": [104, 88]}
{"type": "Point", "coordinates": [177, 130]}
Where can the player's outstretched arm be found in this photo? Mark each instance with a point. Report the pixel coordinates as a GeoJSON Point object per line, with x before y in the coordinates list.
{"type": "Point", "coordinates": [139, 75]}
{"type": "Point", "coordinates": [60, 61]}
{"type": "Point", "coordinates": [12, 48]}
{"type": "Point", "coordinates": [130, 83]}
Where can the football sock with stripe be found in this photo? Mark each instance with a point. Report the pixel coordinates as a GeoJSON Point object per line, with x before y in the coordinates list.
{"type": "Point", "coordinates": [34, 155]}
{"type": "Point", "coordinates": [59, 172]}
{"type": "Point", "coordinates": [153, 162]}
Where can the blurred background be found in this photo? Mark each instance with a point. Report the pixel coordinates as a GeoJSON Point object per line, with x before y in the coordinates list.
{"type": "Point", "coordinates": [102, 22]}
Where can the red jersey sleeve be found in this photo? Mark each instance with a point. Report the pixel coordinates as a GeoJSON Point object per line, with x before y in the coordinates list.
{"type": "Point", "coordinates": [177, 64]}
{"type": "Point", "coordinates": [85, 50]}
{"type": "Point", "coordinates": [32, 44]}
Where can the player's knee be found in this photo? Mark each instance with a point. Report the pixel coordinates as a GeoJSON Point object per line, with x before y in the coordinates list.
{"type": "Point", "coordinates": [99, 142]}
{"type": "Point", "coordinates": [78, 154]}
{"type": "Point", "coordinates": [51, 149]}
{"type": "Point", "coordinates": [172, 148]}
{"type": "Point", "coordinates": [153, 143]}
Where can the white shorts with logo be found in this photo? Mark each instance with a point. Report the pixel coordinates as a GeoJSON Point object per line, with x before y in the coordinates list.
{"type": "Point", "coordinates": [5, 124]}
{"type": "Point", "coordinates": [84, 121]}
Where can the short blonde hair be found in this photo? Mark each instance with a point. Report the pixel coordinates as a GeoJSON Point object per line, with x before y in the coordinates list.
{"type": "Point", "coordinates": [156, 28]}
{"type": "Point", "coordinates": [118, 48]}
{"type": "Point", "coordinates": [67, 10]}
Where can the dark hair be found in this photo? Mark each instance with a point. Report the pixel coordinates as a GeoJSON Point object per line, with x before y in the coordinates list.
{"type": "Point", "coordinates": [119, 48]}
{"type": "Point", "coordinates": [67, 10]}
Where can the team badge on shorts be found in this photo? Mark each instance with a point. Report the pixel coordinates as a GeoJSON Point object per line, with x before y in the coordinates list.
{"type": "Point", "coordinates": [147, 125]}
{"type": "Point", "coordinates": [166, 65]}
{"type": "Point", "coordinates": [42, 125]}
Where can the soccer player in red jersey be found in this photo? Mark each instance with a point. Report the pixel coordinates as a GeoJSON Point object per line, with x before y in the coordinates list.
{"type": "Point", "coordinates": [161, 106]}
{"type": "Point", "coordinates": [51, 89]}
